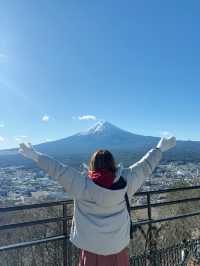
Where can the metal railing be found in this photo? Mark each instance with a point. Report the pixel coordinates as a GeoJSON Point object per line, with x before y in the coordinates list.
{"type": "Point", "coordinates": [66, 218]}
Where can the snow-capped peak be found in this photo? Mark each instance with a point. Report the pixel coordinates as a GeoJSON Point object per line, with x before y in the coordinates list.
{"type": "Point", "coordinates": [99, 128]}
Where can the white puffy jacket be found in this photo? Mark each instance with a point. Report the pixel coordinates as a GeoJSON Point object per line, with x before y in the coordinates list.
{"type": "Point", "coordinates": [101, 222]}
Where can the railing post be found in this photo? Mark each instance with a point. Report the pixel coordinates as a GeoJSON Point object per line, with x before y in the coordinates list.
{"type": "Point", "coordinates": [150, 244]}
{"type": "Point", "coordinates": [65, 233]}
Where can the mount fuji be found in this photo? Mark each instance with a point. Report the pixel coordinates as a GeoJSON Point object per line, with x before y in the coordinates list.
{"type": "Point", "coordinates": [125, 146]}
{"type": "Point", "coordinates": [102, 135]}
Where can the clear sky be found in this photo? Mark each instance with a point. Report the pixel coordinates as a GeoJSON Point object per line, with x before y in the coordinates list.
{"type": "Point", "coordinates": [133, 63]}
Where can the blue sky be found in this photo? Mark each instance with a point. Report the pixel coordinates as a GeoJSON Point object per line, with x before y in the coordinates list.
{"type": "Point", "coordinates": [135, 64]}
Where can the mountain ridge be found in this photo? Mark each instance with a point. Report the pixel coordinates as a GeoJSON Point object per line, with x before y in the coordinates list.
{"type": "Point", "coordinates": [104, 135]}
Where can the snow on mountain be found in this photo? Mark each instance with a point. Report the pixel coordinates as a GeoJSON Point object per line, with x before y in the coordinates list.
{"type": "Point", "coordinates": [100, 128]}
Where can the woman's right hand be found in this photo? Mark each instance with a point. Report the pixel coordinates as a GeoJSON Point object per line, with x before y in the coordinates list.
{"type": "Point", "coordinates": [166, 144]}
{"type": "Point", "coordinates": [28, 151]}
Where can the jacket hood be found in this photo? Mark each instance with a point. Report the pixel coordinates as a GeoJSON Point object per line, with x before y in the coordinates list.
{"type": "Point", "coordinates": [105, 197]}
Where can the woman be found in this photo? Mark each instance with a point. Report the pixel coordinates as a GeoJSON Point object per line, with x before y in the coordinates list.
{"type": "Point", "coordinates": [101, 224]}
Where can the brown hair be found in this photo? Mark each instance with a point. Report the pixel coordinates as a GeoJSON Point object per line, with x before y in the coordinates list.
{"type": "Point", "coordinates": [102, 160]}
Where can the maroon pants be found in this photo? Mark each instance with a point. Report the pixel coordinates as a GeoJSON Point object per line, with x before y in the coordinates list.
{"type": "Point", "coordinates": [90, 259]}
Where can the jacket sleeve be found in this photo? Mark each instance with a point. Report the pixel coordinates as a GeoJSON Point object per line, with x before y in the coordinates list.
{"type": "Point", "coordinates": [71, 179]}
{"type": "Point", "coordinates": [136, 173]}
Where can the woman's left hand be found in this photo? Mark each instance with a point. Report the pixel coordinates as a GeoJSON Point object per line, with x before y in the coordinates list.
{"type": "Point", "coordinates": [28, 151]}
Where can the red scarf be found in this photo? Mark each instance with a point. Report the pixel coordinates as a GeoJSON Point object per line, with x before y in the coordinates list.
{"type": "Point", "coordinates": [103, 178]}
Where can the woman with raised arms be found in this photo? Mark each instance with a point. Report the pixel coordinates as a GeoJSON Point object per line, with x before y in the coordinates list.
{"type": "Point", "coordinates": [101, 223]}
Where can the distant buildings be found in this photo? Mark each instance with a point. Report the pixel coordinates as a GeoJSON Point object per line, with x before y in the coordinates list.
{"type": "Point", "coordinates": [23, 185]}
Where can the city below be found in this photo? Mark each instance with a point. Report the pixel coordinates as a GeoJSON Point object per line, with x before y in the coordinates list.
{"type": "Point", "coordinates": [22, 185]}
